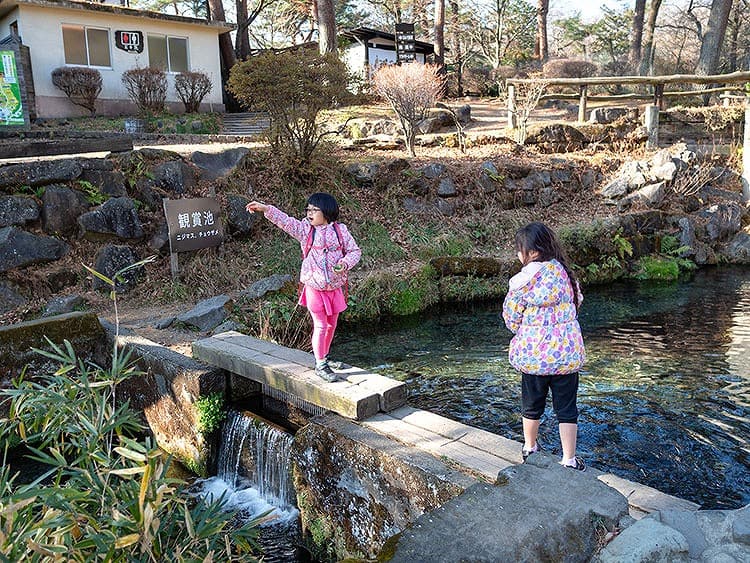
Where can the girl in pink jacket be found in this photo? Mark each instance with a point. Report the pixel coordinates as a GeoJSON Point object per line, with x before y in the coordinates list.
{"type": "Point", "coordinates": [541, 309]}
{"type": "Point", "coordinates": [328, 253]}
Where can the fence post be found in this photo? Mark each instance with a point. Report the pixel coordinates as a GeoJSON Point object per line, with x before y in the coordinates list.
{"type": "Point", "coordinates": [652, 126]}
{"type": "Point", "coordinates": [746, 156]}
{"type": "Point", "coordinates": [512, 122]}
{"type": "Point", "coordinates": [582, 104]}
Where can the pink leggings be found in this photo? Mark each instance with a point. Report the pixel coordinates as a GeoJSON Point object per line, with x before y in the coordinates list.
{"type": "Point", "coordinates": [324, 326]}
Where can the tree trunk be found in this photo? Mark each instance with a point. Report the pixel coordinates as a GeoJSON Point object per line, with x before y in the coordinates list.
{"type": "Point", "coordinates": [225, 41]}
{"type": "Point", "coordinates": [456, 48]}
{"type": "Point", "coordinates": [242, 41]}
{"type": "Point", "coordinates": [326, 16]}
{"type": "Point", "coordinates": [637, 37]}
{"type": "Point", "coordinates": [647, 56]}
{"type": "Point", "coordinates": [708, 60]}
{"type": "Point", "coordinates": [541, 47]}
{"type": "Point", "coordinates": [440, 34]}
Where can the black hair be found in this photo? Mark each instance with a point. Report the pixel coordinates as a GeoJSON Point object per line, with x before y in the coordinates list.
{"type": "Point", "coordinates": [539, 237]}
{"type": "Point", "coordinates": [326, 203]}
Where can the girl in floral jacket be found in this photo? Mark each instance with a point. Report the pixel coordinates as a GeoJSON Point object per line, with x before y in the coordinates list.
{"type": "Point", "coordinates": [328, 253]}
{"type": "Point", "coordinates": [541, 309]}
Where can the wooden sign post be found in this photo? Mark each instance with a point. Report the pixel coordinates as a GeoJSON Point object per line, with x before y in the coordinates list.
{"type": "Point", "coordinates": [193, 224]}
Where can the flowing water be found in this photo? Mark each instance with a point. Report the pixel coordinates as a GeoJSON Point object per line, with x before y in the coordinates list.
{"type": "Point", "coordinates": [253, 476]}
{"type": "Point", "coordinates": [664, 396]}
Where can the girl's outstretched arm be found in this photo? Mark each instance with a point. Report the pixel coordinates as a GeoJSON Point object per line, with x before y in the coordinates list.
{"type": "Point", "coordinates": [294, 227]}
{"type": "Point", "coordinates": [256, 206]}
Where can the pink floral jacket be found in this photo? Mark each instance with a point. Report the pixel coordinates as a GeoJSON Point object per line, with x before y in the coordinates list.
{"type": "Point", "coordinates": [326, 251]}
{"type": "Point", "coordinates": [539, 309]}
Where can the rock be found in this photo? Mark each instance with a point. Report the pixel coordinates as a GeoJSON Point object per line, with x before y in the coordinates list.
{"type": "Point", "coordinates": [239, 220]}
{"type": "Point", "coordinates": [467, 266]}
{"type": "Point", "coordinates": [61, 208]}
{"type": "Point", "coordinates": [558, 138]}
{"type": "Point", "coordinates": [363, 173]}
{"type": "Point", "coordinates": [447, 188]}
{"type": "Point", "coordinates": [165, 323]}
{"type": "Point", "coordinates": [111, 259]}
{"type": "Point", "coordinates": [535, 512]}
{"type": "Point", "coordinates": [724, 220]}
{"type": "Point", "coordinates": [174, 176]}
{"type": "Point", "coordinates": [380, 486]}
{"type": "Point", "coordinates": [10, 298]}
{"type": "Point", "coordinates": [434, 170]}
{"type": "Point", "coordinates": [208, 313]}
{"type": "Point", "coordinates": [64, 304]}
{"type": "Point", "coordinates": [217, 165]}
{"type": "Point", "coordinates": [18, 210]}
{"type": "Point", "coordinates": [650, 196]}
{"type": "Point", "coordinates": [738, 249]}
{"type": "Point", "coordinates": [445, 207]}
{"type": "Point", "coordinates": [106, 181]}
{"type": "Point", "coordinates": [19, 248]}
{"type": "Point", "coordinates": [607, 115]}
{"type": "Point", "coordinates": [488, 178]}
{"type": "Point", "coordinates": [413, 205]}
{"type": "Point", "coordinates": [39, 173]}
{"type": "Point", "coordinates": [646, 541]}
{"type": "Point", "coordinates": [117, 217]}
{"type": "Point", "coordinates": [267, 285]}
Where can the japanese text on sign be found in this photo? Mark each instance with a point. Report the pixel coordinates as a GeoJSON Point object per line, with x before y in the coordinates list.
{"type": "Point", "coordinates": [193, 223]}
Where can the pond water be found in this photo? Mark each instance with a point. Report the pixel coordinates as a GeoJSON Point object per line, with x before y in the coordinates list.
{"type": "Point", "coordinates": [664, 396]}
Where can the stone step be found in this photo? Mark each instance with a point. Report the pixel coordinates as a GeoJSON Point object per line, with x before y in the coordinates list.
{"type": "Point", "coordinates": [359, 395]}
{"type": "Point", "coordinates": [249, 123]}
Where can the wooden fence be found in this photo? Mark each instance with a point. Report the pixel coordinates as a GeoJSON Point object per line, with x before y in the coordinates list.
{"type": "Point", "coordinates": [733, 82]}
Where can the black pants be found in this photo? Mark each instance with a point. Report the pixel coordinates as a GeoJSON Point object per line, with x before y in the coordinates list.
{"type": "Point", "coordinates": [534, 389]}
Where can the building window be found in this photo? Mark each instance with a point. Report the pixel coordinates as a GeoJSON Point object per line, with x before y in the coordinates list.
{"type": "Point", "coordinates": [87, 46]}
{"type": "Point", "coordinates": [168, 53]}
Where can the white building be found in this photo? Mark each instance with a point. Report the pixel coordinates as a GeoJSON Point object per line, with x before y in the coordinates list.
{"type": "Point", "coordinates": [112, 39]}
{"type": "Point", "coordinates": [370, 48]}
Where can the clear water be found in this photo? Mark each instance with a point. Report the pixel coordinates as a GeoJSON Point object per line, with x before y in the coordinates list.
{"type": "Point", "coordinates": [664, 396]}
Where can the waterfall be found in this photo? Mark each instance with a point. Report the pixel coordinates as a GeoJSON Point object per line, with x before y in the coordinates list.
{"type": "Point", "coordinates": [254, 453]}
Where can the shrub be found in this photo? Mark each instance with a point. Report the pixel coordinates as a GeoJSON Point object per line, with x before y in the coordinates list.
{"type": "Point", "coordinates": [411, 89]}
{"type": "Point", "coordinates": [293, 86]}
{"type": "Point", "coordinates": [568, 68]}
{"type": "Point", "coordinates": [192, 87]}
{"type": "Point", "coordinates": [147, 88]}
{"type": "Point", "coordinates": [82, 85]}
{"type": "Point", "coordinates": [106, 494]}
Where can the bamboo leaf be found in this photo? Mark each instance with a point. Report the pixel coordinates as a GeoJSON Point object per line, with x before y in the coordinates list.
{"type": "Point", "coordinates": [125, 541]}
{"type": "Point", "coordinates": [130, 454]}
{"type": "Point", "coordinates": [128, 471]}
{"type": "Point", "coordinates": [102, 277]}
{"type": "Point", "coordinates": [189, 522]}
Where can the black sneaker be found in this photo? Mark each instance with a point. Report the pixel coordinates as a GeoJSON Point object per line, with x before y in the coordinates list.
{"type": "Point", "coordinates": [326, 373]}
{"type": "Point", "coordinates": [578, 464]}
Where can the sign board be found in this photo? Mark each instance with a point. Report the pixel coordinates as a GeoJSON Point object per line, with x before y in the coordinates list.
{"type": "Point", "coordinates": [130, 41]}
{"type": "Point", "coordinates": [193, 223]}
{"type": "Point", "coordinates": [405, 43]}
{"type": "Point", "coordinates": [11, 106]}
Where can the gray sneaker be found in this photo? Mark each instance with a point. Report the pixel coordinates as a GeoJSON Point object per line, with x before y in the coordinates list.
{"type": "Point", "coordinates": [325, 373]}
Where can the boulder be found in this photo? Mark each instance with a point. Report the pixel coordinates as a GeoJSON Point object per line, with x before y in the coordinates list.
{"type": "Point", "coordinates": [10, 298]}
{"type": "Point", "coordinates": [116, 218]}
{"type": "Point", "coordinates": [267, 285]}
{"type": "Point", "coordinates": [174, 176]}
{"type": "Point", "coordinates": [19, 248]}
{"type": "Point", "coordinates": [111, 259]}
{"type": "Point", "coordinates": [61, 208]}
{"type": "Point", "coordinates": [207, 314]}
{"type": "Point", "coordinates": [217, 165]}
{"type": "Point", "coordinates": [39, 173]}
{"type": "Point", "coordinates": [18, 210]}
{"type": "Point", "coordinates": [239, 220]}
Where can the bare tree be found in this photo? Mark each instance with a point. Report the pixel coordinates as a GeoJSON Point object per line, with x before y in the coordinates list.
{"type": "Point", "coordinates": [637, 35]}
{"type": "Point", "coordinates": [708, 60]}
{"type": "Point", "coordinates": [440, 34]}
{"type": "Point", "coordinates": [647, 57]}
{"type": "Point", "coordinates": [411, 89]}
{"type": "Point", "coordinates": [541, 47]}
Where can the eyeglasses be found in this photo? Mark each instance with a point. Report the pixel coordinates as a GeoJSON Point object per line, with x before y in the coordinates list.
{"type": "Point", "coordinates": [312, 209]}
